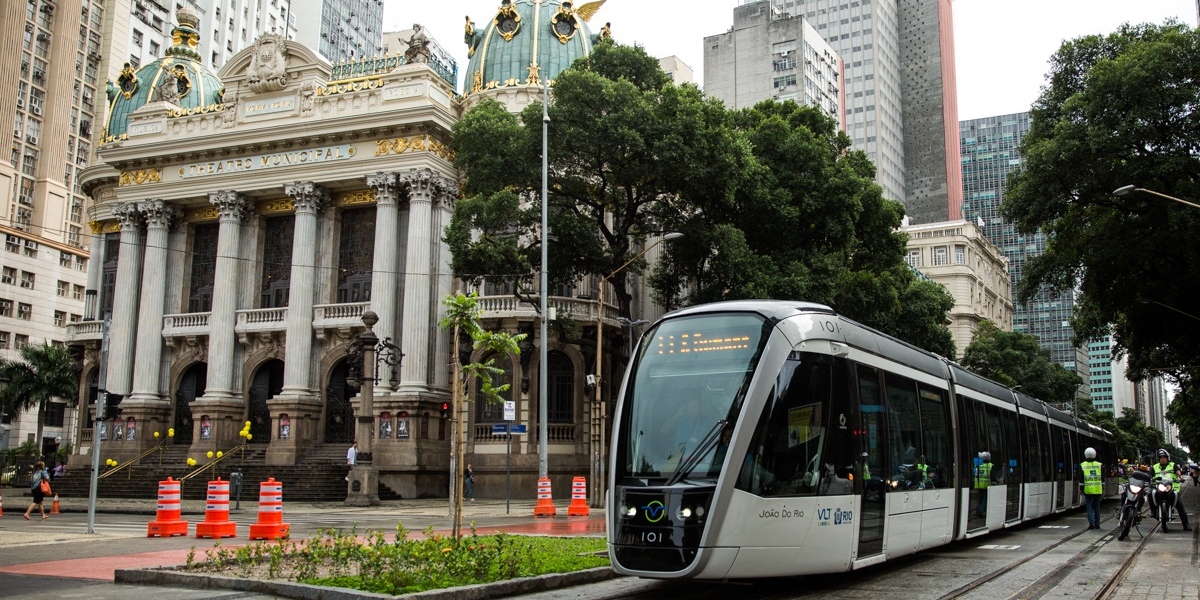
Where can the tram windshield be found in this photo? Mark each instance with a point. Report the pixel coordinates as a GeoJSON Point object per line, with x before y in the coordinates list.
{"type": "Point", "coordinates": [689, 384]}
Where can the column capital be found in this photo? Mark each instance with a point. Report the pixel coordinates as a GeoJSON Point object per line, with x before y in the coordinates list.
{"type": "Point", "coordinates": [128, 214]}
{"type": "Point", "coordinates": [386, 186]}
{"type": "Point", "coordinates": [159, 213]}
{"type": "Point", "coordinates": [307, 196]}
{"type": "Point", "coordinates": [426, 184]}
{"type": "Point", "coordinates": [232, 205]}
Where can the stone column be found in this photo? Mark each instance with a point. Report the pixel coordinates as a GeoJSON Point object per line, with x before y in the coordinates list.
{"type": "Point", "coordinates": [222, 400]}
{"type": "Point", "coordinates": [386, 267]}
{"type": "Point", "coordinates": [146, 385]}
{"type": "Point", "coordinates": [423, 186]}
{"type": "Point", "coordinates": [96, 260]}
{"type": "Point", "coordinates": [309, 200]}
{"type": "Point", "coordinates": [123, 330]}
{"type": "Point", "coordinates": [441, 354]}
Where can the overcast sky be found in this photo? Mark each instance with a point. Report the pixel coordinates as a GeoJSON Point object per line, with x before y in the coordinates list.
{"type": "Point", "coordinates": [1001, 46]}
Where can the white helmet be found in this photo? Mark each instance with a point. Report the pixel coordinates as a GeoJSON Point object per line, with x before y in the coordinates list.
{"type": "Point", "coordinates": [1089, 453]}
{"type": "Point", "coordinates": [986, 456]}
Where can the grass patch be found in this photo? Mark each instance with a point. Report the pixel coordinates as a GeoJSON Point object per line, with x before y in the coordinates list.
{"type": "Point", "coordinates": [369, 561]}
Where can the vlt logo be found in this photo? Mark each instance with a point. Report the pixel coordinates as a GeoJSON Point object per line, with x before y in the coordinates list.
{"type": "Point", "coordinates": [654, 511]}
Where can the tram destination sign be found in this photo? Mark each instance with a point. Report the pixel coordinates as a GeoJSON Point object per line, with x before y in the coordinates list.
{"type": "Point", "coordinates": [291, 158]}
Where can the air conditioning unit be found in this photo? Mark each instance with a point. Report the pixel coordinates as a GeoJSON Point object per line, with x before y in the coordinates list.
{"type": "Point", "coordinates": [20, 103]}
{"type": "Point", "coordinates": [21, 226]}
{"type": "Point", "coordinates": [28, 27]}
{"type": "Point", "coordinates": [39, 75]}
{"type": "Point", "coordinates": [32, 139]}
{"type": "Point", "coordinates": [36, 109]}
{"type": "Point", "coordinates": [23, 309]}
{"type": "Point", "coordinates": [17, 133]}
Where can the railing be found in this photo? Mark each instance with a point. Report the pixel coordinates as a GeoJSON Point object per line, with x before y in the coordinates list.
{"type": "Point", "coordinates": [331, 317]}
{"type": "Point", "coordinates": [211, 467]}
{"type": "Point", "coordinates": [378, 65]}
{"type": "Point", "coordinates": [127, 465]}
{"type": "Point", "coordinates": [259, 316]}
{"type": "Point", "coordinates": [85, 436]}
{"type": "Point", "coordinates": [85, 330]}
{"type": "Point", "coordinates": [185, 324]}
{"type": "Point", "coordinates": [564, 433]}
{"type": "Point", "coordinates": [579, 309]}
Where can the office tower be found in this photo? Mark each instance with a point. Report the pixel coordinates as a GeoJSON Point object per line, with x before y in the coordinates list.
{"type": "Point", "coordinates": [225, 26]}
{"type": "Point", "coordinates": [767, 55]}
{"type": "Point", "coordinates": [679, 71]}
{"type": "Point", "coordinates": [989, 153]}
{"type": "Point", "coordinates": [340, 30]}
{"type": "Point", "coordinates": [1100, 375]}
{"type": "Point", "coordinates": [899, 89]}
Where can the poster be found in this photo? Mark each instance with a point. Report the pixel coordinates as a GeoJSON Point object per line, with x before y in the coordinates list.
{"type": "Point", "coordinates": [130, 429]}
{"type": "Point", "coordinates": [205, 428]}
{"type": "Point", "coordinates": [402, 429]}
{"type": "Point", "coordinates": [285, 427]}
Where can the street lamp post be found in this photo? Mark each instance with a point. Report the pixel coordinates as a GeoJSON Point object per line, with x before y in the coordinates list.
{"type": "Point", "coordinates": [1126, 190]}
{"type": "Point", "coordinates": [598, 464]}
{"type": "Point", "coordinates": [370, 350]}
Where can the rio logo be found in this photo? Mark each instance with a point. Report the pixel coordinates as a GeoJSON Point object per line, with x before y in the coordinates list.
{"type": "Point", "coordinates": [842, 517]}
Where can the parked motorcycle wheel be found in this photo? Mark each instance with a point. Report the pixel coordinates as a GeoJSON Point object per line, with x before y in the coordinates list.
{"type": "Point", "coordinates": [1127, 517]}
{"type": "Point", "coordinates": [1164, 514]}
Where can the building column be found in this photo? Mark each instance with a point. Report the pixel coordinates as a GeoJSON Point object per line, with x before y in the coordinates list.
{"type": "Point", "coordinates": [91, 307]}
{"type": "Point", "coordinates": [222, 401]}
{"type": "Point", "coordinates": [385, 268]}
{"type": "Point", "coordinates": [159, 217]}
{"type": "Point", "coordinates": [123, 330]}
{"type": "Point", "coordinates": [419, 323]}
{"type": "Point", "coordinates": [444, 212]}
{"type": "Point", "coordinates": [309, 200]}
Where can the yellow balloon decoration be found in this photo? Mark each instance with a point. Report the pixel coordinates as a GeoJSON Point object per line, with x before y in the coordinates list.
{"type": "Point", "coordinates": [155, 434]}
{"type": "Point", "coordinates": [191, 462]}
{"type": "Point", "coordinates": [249, 437]}
{"type": "Point", "coordinates": [247, 424]}
{"type": "Point", "coordinates": [210, 454]}
{"type": "Point", "coordinates": [220, 454]}
{"type": "Point", "coordinates": [171, 432]}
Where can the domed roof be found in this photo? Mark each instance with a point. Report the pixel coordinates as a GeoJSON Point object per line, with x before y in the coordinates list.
{"type": "Point", "coordinates": [527, 41]}
{"type": "Point", "coordinates": [179, 77]}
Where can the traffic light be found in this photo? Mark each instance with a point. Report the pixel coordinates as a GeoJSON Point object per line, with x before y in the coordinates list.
{"type": "Point", "coordinates": [112, 408]}
{"type": "Point", "coordinates": [445, 410]}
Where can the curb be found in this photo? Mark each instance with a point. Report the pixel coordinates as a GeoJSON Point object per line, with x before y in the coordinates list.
{"type": "Point", "coordinates": [303, 591]}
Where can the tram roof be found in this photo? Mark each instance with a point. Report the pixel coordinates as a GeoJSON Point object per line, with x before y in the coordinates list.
{"type": "Point", "coordinates": [774, 310]}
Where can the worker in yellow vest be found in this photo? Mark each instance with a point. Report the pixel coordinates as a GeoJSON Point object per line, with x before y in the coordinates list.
{"type": "Point", "coordinates": [1166, 465]}
{"type": "Point", "coordinates": [1093, 486]}
{"type": "Point", "coordinates": [983, 479]}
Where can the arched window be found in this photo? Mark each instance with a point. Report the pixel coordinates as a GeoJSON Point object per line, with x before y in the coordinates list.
{"type": "Point", "coordinates": [560, 383]}
{"type": "Point", "coordinates": [486, 412]}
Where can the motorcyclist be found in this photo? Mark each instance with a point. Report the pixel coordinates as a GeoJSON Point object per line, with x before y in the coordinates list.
{"type": "Point", "coordinates": [1165, 465]}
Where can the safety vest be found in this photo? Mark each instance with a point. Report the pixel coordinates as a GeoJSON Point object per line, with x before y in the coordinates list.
{"type": "Point", "coordinates": [1092, 484]}
{"type": "Point", "coordinates": [983, 476]}
{"type": "Point", "coordinates": [924, 469]}
{"type": "Point", "coordinates": [1170, 468]}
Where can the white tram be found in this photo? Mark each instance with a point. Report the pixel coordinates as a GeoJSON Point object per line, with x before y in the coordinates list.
{"type": "Point", "coordinates": [775, 438]}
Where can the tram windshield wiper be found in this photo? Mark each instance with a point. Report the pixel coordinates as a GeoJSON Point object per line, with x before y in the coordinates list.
{"type": "Point", "coordinates": [707, 443]}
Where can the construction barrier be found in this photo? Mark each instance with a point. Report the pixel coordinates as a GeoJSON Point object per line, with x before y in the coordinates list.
{"type": "Point", "coordinates": [216, 513]}
{"type": "Point", "coordinates": [270, 523]}
{"type": "Point", "coordinates": [579, 506]}
{"type": "Point", "coordinates": [545, 503]}
{"type": "Point", "coordinates": [54, 506]}
{"type": "Point", "coordinates": [166, 521]}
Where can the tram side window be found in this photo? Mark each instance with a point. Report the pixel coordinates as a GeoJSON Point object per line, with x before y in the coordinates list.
{"type": "Point", "coordinates": [1033, 442]}
{"type": "Point", "coordinates": [784, 458]}
{"type": "Point", "coordinates": [905, 428]}
{"type": "Point", "coordinates": [1012, 440]}
{"type": "Point", "coordinates": [975, 439]}
{"type": "Point", "coordinates": [936, 436]}
{"type": "Point", "coordinates": [996, 445]}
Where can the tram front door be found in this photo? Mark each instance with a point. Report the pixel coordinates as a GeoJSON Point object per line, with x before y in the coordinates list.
{"type": "Point", "coordinates": [871, 467]}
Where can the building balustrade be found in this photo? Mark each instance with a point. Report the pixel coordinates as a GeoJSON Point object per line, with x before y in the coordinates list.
{"type": "Point", "coordinates": [579, 309]}
{"type": "Point", "coordinates": [331, 318]}
{"type": "Point", "coordinates": [85, 331]}
{"type": "Point", "coordinates": [561, 433]}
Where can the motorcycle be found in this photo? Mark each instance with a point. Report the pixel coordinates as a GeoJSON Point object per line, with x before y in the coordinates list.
{"type": "Point", "coordinates": [1162, 499]}
{"type": "Point", "coordinates": [1133, 496]}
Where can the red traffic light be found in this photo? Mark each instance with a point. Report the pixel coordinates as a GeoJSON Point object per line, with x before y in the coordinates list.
{"type": "Point", "coordinates": [445, 409]}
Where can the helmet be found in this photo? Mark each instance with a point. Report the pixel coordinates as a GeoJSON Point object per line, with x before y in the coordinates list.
{"type": "Point", "coordinates": [1162, 453]}
{"type": "Point", "coordinates": [1090, 453]}
{"type": "Point", "coordinates": [985, 455]}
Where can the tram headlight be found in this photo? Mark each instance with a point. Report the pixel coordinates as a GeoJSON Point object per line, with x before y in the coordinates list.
{"type": "Point", "coordinates": [684, 513]}
{"type": "Point", "coordinates": [629, 511]}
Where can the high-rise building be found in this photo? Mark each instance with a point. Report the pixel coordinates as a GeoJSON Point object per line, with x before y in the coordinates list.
{"type": "Point", "coordinates": [1100, 375]}
{"type": "Point", "coordinates": [767, 55]}
{"type": "Point", "coordinates": [900, 94]}
{"type": "Point", "coordinates": [225, 26]}
{"type": "Point", "coordinates": [989, 153]}
{"type": "Point", "coordinates": [340, 30]}
{"type": "Point", "coordinates": [52, 51]}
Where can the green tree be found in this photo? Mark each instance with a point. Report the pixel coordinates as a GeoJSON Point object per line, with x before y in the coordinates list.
{"type": "Point", "coordinates": [1119, 109]}
{"type": "Point", "coordinates": [1013, 358]}
{"type": "Point", "coordinates": [627, 148]}
{"type": "Point", "coordinates": [41, 374]}
{"type": "Point", "coordinates": [808, 222]}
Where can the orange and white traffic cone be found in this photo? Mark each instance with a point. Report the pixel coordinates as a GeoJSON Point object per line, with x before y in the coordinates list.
{"type": "Point", "coordinates": [545, 503]}
{"type": "Point", "coordinates": [1, 505]}
{"type": "Point", "coordinates": [54, 506]}
{"type": "Point", "coordinates": [579, 506]}
{"type": "Point", "coordinates": [270, 525]}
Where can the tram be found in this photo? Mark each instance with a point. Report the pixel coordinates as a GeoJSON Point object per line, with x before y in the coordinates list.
{"type": "Point", "coordinates": [776, 438]}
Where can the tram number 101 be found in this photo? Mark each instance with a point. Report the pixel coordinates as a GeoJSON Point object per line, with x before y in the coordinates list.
{"type": "Point", "coordinates": [653, 537]}
{"type": "Point", "coordinates": [829, 326]}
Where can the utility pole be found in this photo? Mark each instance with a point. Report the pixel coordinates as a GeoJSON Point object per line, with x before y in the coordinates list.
{"type": "Point", "coordinates": [101, 402]}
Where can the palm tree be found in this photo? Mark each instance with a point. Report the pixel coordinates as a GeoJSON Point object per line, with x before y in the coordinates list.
{"type": "Point", "coordinates": [41, 374]}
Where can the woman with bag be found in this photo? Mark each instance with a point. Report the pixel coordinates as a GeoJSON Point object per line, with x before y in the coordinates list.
{"type": "Point", "coordinates": [39, 486]}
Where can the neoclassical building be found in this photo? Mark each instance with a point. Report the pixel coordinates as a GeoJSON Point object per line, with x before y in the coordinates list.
{"type": "Point", "coordinates": [242, 223]}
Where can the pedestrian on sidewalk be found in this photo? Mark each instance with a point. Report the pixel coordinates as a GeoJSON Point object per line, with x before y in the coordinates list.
{"type": "Point", "coordinates": [469, 483]}
{"type": "Point", "coordinates": [35, 487]}
{"type": "Point", "coordinates": [351, 458]}
{"type": "Point", "coordinates": [1093, 486]}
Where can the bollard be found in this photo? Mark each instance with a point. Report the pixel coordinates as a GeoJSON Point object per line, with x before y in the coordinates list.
{"type": "Point", "coordinates": [216, 513]}
{"type": "Point", "coordinates": [545, 503]}
{"type": "Point", "coordinates": [270, 523]}
{"type": "Point", "coordinates": [166, 521]}
{"type": "Point", "coordinates": [579, 506]}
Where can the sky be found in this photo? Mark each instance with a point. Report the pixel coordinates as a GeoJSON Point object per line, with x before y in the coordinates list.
{"type": "Point", "coordinates": [1002, 47]}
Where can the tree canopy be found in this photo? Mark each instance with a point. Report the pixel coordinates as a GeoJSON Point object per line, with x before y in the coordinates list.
{"type": "Point", "coordinates": [771, 201]}
{"type": "Point", "coordinates": [1017, 359]}
{"type": "Point", "coordinates": [1119, 110]}
{"type": "Point", "coordinates": [41, 374]}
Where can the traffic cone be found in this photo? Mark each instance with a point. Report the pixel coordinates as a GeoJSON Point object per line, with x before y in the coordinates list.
{"type": "Point", "coordinates": [545, 504]}
{"type": "Point", "coordinates": [166, 521]}
{"type": "Point", "coordinates": [1, 505]}
{"type": "Point", "coordinates": [216, 513]}
{"type": "Point", "coordinates": [54, 506]}
{"type": "Point", "coordinates": [579, 506]}
{"type": "Point", "coordinates": [270, 523]}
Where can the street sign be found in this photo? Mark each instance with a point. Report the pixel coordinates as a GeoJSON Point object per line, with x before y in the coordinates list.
{"type": "Point", "coordinates": [500, 429]}
{"type": "Point", "coordinates": [510, 410]}
{"type": "Point", "coordinates": [518, 429]}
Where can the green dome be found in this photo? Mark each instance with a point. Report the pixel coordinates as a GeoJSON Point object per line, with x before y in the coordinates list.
{"type": "Point", "coordinates": [526, 41]}
{"type": "Point", "coordinates": [195, 86]}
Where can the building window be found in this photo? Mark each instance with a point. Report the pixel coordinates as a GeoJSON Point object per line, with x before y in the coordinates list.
{"type": "Point", "coordinates": [6, 308]}
{"type": "Point", "coordinates": [204, 268]}
{"type": "Point", "coordinates": [913, 259]}
{"type": "Point", "coordinates": [4, 335]}
{"type": "Point", "coordinates": [31, 248]}
{"type": "Point", "coordinates": [60, 318]}
{"type": "Point", "coordinates": [64, 259]}
{"type": "Point", "coordinates": [54, 415]}
{"type": "Point", "coordinates": [277, 262]}
{"type": "Point", "coordinates": [27, 279]}
{"type": "Point", "coordinates": [8, 276]}
{"type": "Point", "coordinates": [77, 292]}
{"type": "Point", "coordinates": [356, 256]}
{"type": "Point", "coordinates": [24, 311]}
{"type": "Point", "coordinates": [486, 412]}
{"type": "Point", "coordinates": [12, 243]}
{"type": "Point", "coordinates": [960, 254]}
{"type": "Point", "coordinates": [80, 263]}
{"type": "Point", "coordinates": [63, 289]}
{"type": "Point", "coordinates": [76, 318]}
{"type": "Point", "coordinates": [21, 342]}
{"type": "Point", "coordinates": [940, 256]}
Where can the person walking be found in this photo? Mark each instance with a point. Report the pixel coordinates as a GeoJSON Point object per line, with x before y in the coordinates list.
{"type": "Point", "coordinates": [1093, 486]}
{"type": "Point", "coordinates": [469, 483]}
{"type": "Point", "coordinates": [35, 487]}
{"type": "Point", "coordinates": [351, 457]}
